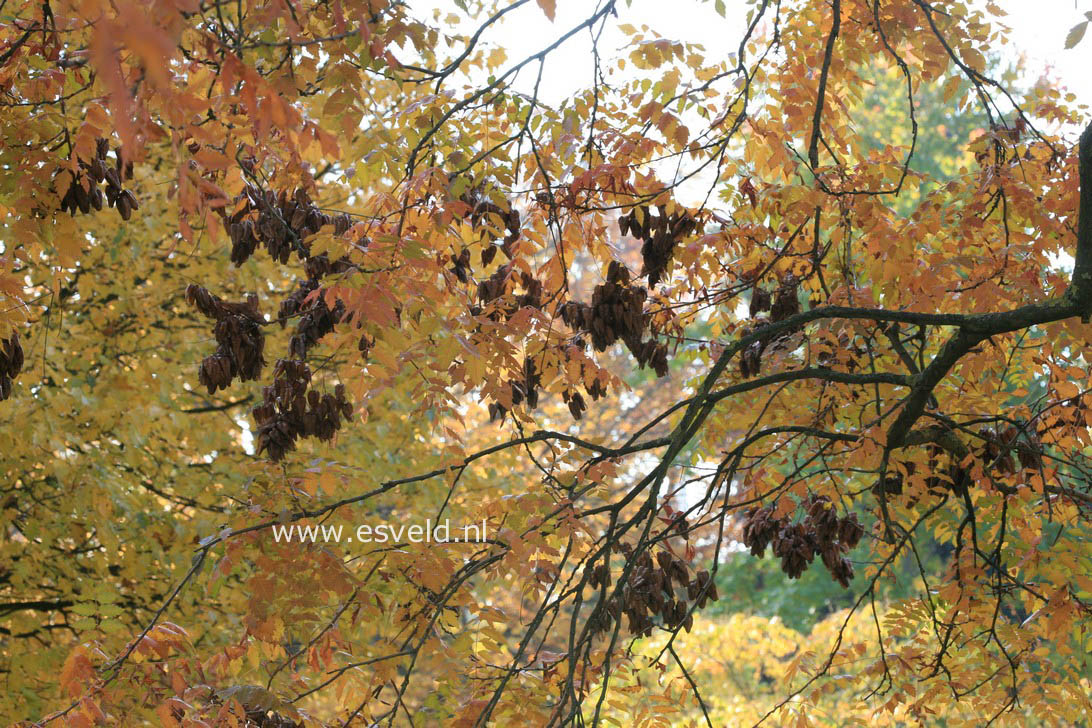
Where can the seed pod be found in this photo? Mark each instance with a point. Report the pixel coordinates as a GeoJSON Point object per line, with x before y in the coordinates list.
{"type": "Point", "coordinates": [122, 205]}
{"type": "Point", "coordinates": [83, 200]}
{"type": "Point", "coordinates": [1030, 458]}
{"type": "Point", "coordinates": [850, 531]}
{"type": "Point", "coordinates": [681, 610]}
{"type": "Point", "coordinates": [656, 580]}
{"type": "Point", "coordinates": [97, 169]}
{"type": "Point", "coordinates": [113, 181]}
{"type": "Point", "coordinates": [655, 599]}
{"type": "Point", "coordinates": [11, 355]}
{"type": "Point", "coordinates": [680, 573]}
{"type": "Point", "coordinates": [664, 560]}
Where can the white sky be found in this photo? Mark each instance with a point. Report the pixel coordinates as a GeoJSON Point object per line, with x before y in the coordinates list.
{"type": "Point", "coordinates": [1039, 28]}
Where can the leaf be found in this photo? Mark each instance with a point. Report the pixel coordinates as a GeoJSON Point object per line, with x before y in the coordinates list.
{"type": "Point", "coordinates": [549, 7]}
{"type": "Point", "coordinates": [77, 670]}
{"type": "Point", "coordinates": [1076, 33]}
{"type": "Point", "coordinates": [252, 697]}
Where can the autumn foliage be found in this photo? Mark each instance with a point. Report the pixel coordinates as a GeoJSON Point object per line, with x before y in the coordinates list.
{"type": "Point", "coordinates": [329, 263]}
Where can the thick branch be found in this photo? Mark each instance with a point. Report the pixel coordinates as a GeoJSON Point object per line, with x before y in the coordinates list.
{"type": "Point", "coordinates": [1077, 301]}
{"type": "Point", "coordinates": [1081, 285]}
{"type": "Point", "coordinates": [817, 121]}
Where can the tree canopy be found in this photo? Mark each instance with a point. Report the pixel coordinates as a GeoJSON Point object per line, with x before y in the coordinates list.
{"type": "Point", "coordinates": [285, 284]}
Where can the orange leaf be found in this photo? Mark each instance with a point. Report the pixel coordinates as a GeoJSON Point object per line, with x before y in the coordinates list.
{"type": "Point", "coordinates": [549, 7]}
{"type": "Point", "coordinates": [76, 671]}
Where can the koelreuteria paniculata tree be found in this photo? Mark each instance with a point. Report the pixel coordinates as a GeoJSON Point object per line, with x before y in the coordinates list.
{"type": "Point", "coordinates": [273, 263]}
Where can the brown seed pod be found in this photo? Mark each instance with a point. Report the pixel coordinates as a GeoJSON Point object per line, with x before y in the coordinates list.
{"type": "Point", "coordinates": [602, 574]}
{"type": "Point", "coordinates": [97, 169]}
{"type": "Point", "coordinates": [11, 363]}
{"type": "Point", "coordinates": [850, 531]}
{"type": "Point", "coordinates": [123, 208]}
{"type": "Point", "coordinates": [760, 301]}
{"type": "Point", "coordinates": [11, 355]}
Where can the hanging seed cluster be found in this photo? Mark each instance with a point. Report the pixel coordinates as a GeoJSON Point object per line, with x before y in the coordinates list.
{"type": "Point", "coordinates": [1002, 449]}
{"type": "Point", "coordinates": [941, 479]}
{"type": "Point", "coordinates": [782, 303]}
{"type": "Point", "coordinates": [315, 318]}
{"type": "Point", "coordinates": [495, 286]}
{"type": "Point", "coordinates": [479, 209]}
{"type": "Point", "coordinates": [280, 223]}
{"type": "Point", "coordinates": [660, 591]}
{"type": "Point", "coordinates": [239, 339]}
{"type": "Point", "coordinates": [616, 312]}
{"type": "Point", "coordinates": [596, 390]}
{"type": "Point", "coordinates": [847, 348]}
{"type": "Point", "coordinates": [260, 707]}
{"type": "Point", "coordinates": [289, 410]}
{"type": "Point", "coordinates": [659, 234]}
{"type": "Point", "coordinates": [786, 302]}
{"type": "Point", "coordinates": [821, 532]}
{"type": "Point", "coordinates": [11, 363]}
{"type": "Point", "coordinates": [320, 266]}
{"type": "Point", "coordinates": [575, 402]}
{"type": "Point", "coordinates": [1001, 442]}
{"type": "Point", "coordinates": [98, 171]}
{"type": "Point", "coordinates": [573, 399]}
{"type": "Point", "coordinates": [460, 265]}
{"type": "Point", "coordinates": [524, 388]}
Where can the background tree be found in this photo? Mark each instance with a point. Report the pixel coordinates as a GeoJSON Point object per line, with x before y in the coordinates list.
{"type": "Point", "coordinates": [272, 265]}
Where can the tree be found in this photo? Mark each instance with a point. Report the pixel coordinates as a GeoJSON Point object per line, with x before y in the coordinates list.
{"type": "Point", "coordinates": [275, 266]}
